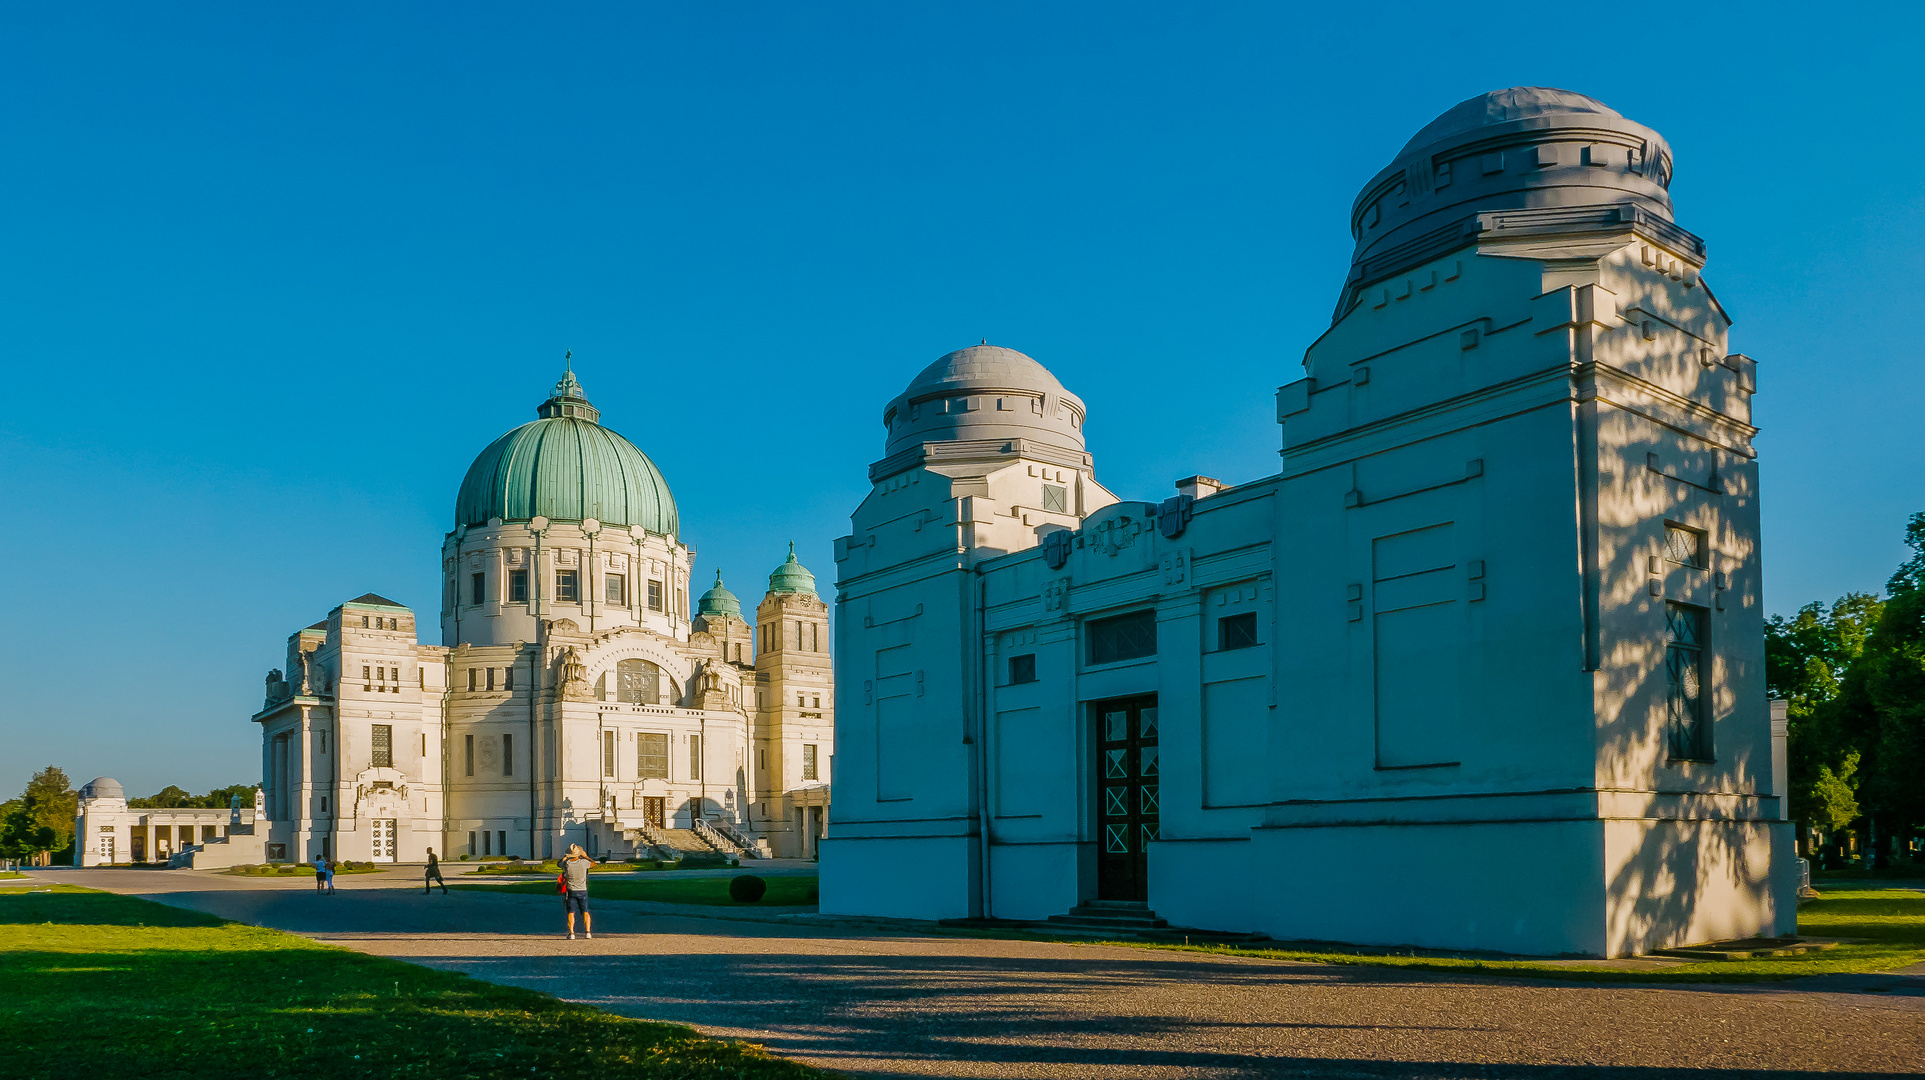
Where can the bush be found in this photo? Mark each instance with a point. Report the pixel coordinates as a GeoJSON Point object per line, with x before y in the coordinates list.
{"type": "Point", "coordinates": [747, 888]}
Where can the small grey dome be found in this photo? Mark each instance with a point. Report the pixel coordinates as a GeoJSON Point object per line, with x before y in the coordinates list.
{"type": "Point", "coordinates": [984, 392]}
{"type": "Point", "coordinates": [982, 366]}
{"type": "Point", "coordinates": [102, 787]}
{"type": "Point", "coordinates": [1503, 106]}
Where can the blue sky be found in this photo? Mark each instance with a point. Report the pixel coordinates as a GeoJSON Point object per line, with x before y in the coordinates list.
{"type": "Point", "coordinates": [272, 275]}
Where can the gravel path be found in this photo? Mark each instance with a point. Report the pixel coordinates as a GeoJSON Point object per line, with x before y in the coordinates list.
{"type": "Point", "coordinates": [883, 1003]}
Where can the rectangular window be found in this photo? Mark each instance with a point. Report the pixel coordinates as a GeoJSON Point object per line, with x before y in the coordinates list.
{"type": "Point", "coordinates": [1122, 637]}
{"type": "Point", "coordinates": [383, 746]}
{"type": "Point", "coordinates": [501, 841]}
{"type": "Point", "coordinates": [1022, 669]}
{"type": "Point", "coordinates": [508, 679]}
{"type": "Point", "coordinates": [478, 589]}
{"type": "Point", "coordinates": [424, 745]}
{"type": "Point", "coordinates": [471, 845]}
{"type": "Point", "coordinates": [518, 586]}
{"type": "Point", "coordinates": [1055, 499]}
{"type": "Point", "coordinates": [654, 595]}
{"type": "Point", "coordinates": [616, 591]}
{"type": "Point", "coordinates": [1684, 546]}
{"type": "Point", "coordinates": [681, 603]}
{"type": "Point", "coordinates": [487, 843]}
{"type": "Point", "coordinates": [468, 755]}
{"type": "Point", "coordinates": [567, 587]}
{"type": "Point", "coordinates": [808, 761]}
{"type": "Point", "coordinates": [507, 755]}
{"type": "Point", "coordinates": [608, 754]}
{"type": "Point", "coordinates": [471, 680]}
{"type": "Point", "coordinates": [1690, 731]}
{"type": "Point", "coordinates": [491, 678]}
{"type": "Point", "coordinates": [1236, 631]}
{"type": "Point", "coordinates": [651, 756]}
{"type": "Point", "coordinates": [367, 681]}
{"type": "Point", "coordinates": [694, 757]}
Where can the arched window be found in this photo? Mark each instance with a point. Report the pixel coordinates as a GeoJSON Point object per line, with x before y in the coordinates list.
{"type": "Point", "coordinates": [638, 682]}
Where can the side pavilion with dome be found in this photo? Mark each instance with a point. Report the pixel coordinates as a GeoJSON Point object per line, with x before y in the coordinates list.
{"type": "Point", "coordinates": [1480, 666]}
{"type": "Point", "coordinates": [578, 696]}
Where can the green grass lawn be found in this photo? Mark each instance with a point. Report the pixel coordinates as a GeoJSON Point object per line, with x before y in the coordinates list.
{"type": "Point", "coordinates": [10, 874]}
{"type": "Point", "coordinates": [93, 984]}
{"type": "Point", "coordinates": [1892, 922]}
{"type": "Point", "coordinates": [785, 890]}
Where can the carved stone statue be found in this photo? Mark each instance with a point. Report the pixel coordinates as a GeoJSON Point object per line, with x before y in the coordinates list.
{"type": "Point", "coordinates": [277, 688]}
{"type": "Point", "coordinates": [574, 677]}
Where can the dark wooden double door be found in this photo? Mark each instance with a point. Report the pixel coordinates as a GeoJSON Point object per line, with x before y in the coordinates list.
{"type": "Point", "coordinates": [1127, 785]}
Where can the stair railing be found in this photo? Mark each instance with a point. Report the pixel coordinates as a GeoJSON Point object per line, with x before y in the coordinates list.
{"type": "Point", "coordinates": [714, 839]}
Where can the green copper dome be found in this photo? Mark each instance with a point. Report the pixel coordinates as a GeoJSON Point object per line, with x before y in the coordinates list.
{"type": "Point", "coordinates": [719, 601]}
{"type": "Point", "coordinates": [565, 466]}
{"type": "Point", "coordinates": [791, 576]}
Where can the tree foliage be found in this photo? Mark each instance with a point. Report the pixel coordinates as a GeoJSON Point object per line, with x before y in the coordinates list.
{"type": "Point", "coordinates": [42, 818]}
{"type": "Point", "coordinates": [173, 797]}
{"type": "Point", "coordinates": [1853, 678]}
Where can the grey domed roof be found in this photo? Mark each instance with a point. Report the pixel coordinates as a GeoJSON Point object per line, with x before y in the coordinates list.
{"type": "Point", "coordinates": [1525, 148]}
{"type": "Point", "coordinates": [987, 367]}
{"type": "Point", "coordinates": [984, 393]}
{"type": "Point", "coordinates": [1502, 106]}
{"type": "Point", "coordinates": [102, 787]}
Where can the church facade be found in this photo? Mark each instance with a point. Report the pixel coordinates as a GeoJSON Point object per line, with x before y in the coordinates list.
{"type": "Point", "coordinates": [580, 696]}
{"type": "Point", "coordinates": [1480, 667]}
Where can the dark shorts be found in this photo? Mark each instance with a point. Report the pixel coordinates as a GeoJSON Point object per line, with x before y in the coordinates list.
{"type": "Point", "coordinates": [573, 900]}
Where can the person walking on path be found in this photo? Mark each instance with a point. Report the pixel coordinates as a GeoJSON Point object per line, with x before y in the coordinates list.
{"type": "Point", "coordinates": [320, 874]}
{"type": "Point", "coordinates": [574, 889]}
{"type": "Point", "coordinates": [328, 865]}
{"type": "Point", "coordinates": [434, 876]}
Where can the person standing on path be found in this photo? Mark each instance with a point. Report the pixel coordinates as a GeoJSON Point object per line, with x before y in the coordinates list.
{"type": "Point", "coordinates": [574, 892]}
{"type": "Point", "coordinates": [320, 874]}
{"type": "Point", "coordinates": [434, 876]}
{"type": "Point", "coordinates": [328, 865]}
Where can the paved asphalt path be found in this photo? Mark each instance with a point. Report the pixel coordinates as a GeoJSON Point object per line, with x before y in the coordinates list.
{"type": "Point", "coordinates": [881, 1003]}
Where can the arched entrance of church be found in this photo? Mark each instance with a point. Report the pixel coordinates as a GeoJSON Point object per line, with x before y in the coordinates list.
{"type": "Point", "coordinates": [1128, 782]}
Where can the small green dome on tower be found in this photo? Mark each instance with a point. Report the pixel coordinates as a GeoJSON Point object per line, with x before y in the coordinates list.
{"type": "Point", "coordinates": [792, 576]}
{"type": "Point", "coordinates": [719, 602]}
{"type": "Point", "coordinates": [566, 466]}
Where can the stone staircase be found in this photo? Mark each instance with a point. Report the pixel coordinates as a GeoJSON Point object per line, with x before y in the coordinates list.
{"type": "Point", "coordinates": [687, 841]}
{"type": "Point", "coordinates": [1123, 917]}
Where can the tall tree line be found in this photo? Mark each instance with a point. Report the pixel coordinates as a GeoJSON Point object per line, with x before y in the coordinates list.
{"type": "Point", "coordinates": [1853, 676]}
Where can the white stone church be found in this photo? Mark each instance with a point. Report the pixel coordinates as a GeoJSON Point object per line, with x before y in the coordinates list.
{"type": "Point", "coordinates": [580, 698]}
{"type": "Point", "coordinates": [1480, 666]}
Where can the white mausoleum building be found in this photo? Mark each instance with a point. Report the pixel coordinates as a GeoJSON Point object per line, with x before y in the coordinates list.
{"type": "Point", "coordinates": [108, 832]}
{"type": "Point", "coordinates": [1480, 667]}
{"type": "Point", "coordinates": [580, 697]}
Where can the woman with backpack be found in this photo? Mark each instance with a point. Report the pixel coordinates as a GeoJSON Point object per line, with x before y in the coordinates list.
{"type": "Point", "coordinates": [573, 883]}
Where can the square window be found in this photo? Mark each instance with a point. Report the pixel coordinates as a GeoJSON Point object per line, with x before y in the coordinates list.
{"type": "Point", "coordinates": [1236, 631]}
{"type": "Point", "coordinates": [1055, 499]}
{"type": "Point", "coordinates": [477, 589]}
{"type": "Point", "coordinates": [1122, 637]}
{"type": "Point", "coordinates": [517, 586]}
{"type": "Point", "coordinates": [1683, 545]}
{"type": "Point", "coordinates": [567, 587]}
{"type": "Point", "coordinates": [1022, 669]}
{"type": "Point", "coordinates": [617, 589]}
